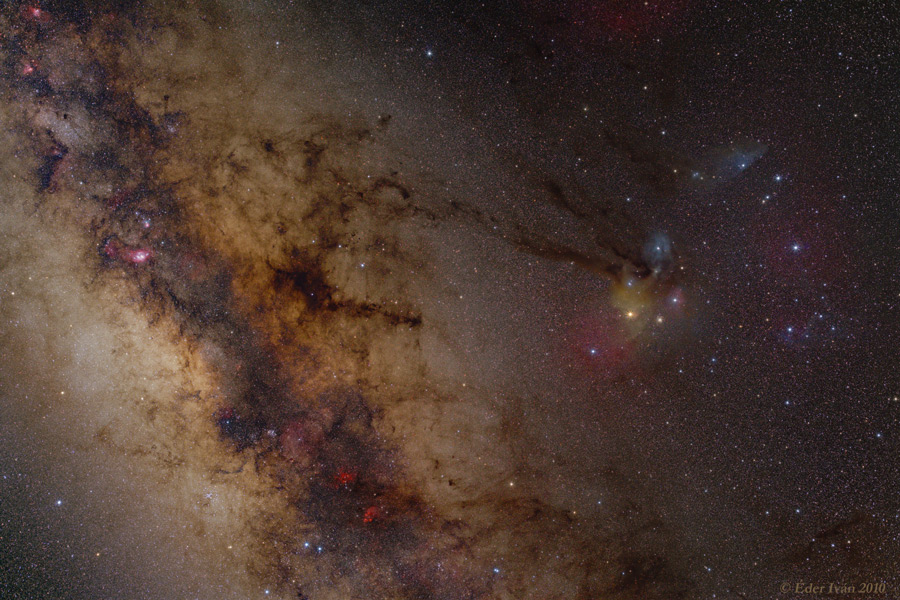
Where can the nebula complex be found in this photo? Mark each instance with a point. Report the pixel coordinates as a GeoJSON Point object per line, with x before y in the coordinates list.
{"type": "Point", "coordinates": [458, 300]}
{"type": "Point", "coordinates": [280, 255]}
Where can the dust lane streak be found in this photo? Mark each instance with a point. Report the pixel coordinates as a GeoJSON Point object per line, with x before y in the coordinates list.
{"type": "Point", "coordinates": [94, 140]}
{"type": "Point", "coordinates": [357, 522]}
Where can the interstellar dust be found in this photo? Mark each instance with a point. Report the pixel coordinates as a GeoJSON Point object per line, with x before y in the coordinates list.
{"type": "Point", "coordinates": [284, 324]}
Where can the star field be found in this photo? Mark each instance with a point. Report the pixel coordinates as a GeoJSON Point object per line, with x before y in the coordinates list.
{"type": "Point", "coordinates": [451, 300]}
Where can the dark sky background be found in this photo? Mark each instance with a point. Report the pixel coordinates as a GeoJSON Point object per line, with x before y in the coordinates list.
{"type": "Point", "coordinates": [572, 299]}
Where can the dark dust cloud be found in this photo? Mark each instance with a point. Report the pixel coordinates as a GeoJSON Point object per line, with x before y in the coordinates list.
{"type": "Point", "coordinates": [424, 300]}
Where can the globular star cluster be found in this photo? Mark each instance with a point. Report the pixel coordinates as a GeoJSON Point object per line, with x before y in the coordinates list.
{"type": "Point", "coordinates": [448, 300]}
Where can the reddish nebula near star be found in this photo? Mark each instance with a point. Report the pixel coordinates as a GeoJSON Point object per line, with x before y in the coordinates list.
{"type": "Point", "coordinates": [599, 346]}
{"type": "Point", "coordinates": [594, 21]}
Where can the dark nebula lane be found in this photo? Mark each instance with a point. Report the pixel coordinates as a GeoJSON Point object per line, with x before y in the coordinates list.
{"type": "Point", "coordinates": [272, 327]}
{"type": "Point", "coordinates": [332, 301]}
{"type": "Point", "coordinates": [96, 145]}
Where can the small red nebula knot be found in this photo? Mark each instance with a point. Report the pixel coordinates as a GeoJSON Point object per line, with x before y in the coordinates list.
{"type": "Point", "coordinates": [137, 255]}
{"type": "Point", "coordinates": [344, 478]}
{"type": "Point", "coordinates": [113, 248]}
{"type": "Point", "coordinates": [372, 513]}
{"type": "Point", "coordinates": [119, 198]}
{"type": "Point", "coordinates": [34, 13]}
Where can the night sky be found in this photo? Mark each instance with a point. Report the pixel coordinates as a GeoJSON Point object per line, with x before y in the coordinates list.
{"type": "Point", "coordinates": [449, 300]}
